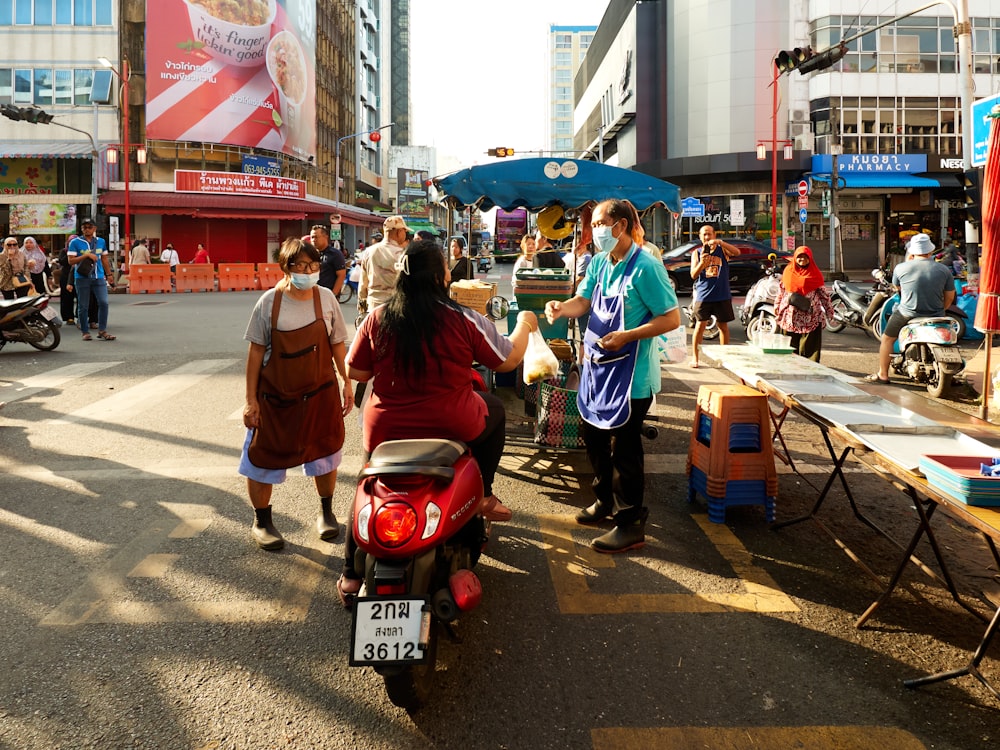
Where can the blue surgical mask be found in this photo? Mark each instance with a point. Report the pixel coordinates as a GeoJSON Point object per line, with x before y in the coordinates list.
{"type": "Point", "coordinates": [604, 239]}
{"type": "Point", "coordinates": [305, 280]}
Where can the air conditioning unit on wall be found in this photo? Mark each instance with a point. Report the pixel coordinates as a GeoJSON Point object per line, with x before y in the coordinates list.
{"type": "Point", "coordinates": [798, 128]}
{"type": "Point", "coordinates": [804, 141]}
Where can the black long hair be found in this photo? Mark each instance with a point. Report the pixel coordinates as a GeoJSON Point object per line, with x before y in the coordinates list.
{"type": "Point", "coordinates": [412, 317]}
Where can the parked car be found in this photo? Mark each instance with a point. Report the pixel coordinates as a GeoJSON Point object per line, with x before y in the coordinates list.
{"type": "Point", "coordinates": [743, 270]}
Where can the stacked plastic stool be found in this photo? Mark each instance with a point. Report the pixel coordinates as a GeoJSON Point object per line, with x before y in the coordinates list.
{"type": "Point", "coordinates": [730, 459]}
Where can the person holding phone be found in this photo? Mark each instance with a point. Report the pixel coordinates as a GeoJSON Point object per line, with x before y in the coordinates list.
{"type": "Point", "coordinates": [710, 293]}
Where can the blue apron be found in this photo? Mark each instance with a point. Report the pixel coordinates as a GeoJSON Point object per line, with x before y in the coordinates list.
{"type": "Point", "coordinates": [604, 398]}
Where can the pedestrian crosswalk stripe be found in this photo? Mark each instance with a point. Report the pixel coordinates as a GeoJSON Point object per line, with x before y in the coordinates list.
{"type": "Point", "coordinates": [125, 405]}
{"type": "Point", "coordinates": [19, 390]}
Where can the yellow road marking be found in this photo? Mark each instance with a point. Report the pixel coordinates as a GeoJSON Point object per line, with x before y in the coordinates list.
{"type": "Point", "coordinates": [754, 738]}
{"type": "Point", "coordinates": [571, 564]}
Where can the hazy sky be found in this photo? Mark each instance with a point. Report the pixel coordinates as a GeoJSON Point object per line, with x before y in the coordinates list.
{"type": "Point", "coordinates": [478, 72]}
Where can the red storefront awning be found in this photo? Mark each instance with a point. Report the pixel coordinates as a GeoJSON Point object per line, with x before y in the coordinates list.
{"type": "Point", "coordinates": [209, 206]}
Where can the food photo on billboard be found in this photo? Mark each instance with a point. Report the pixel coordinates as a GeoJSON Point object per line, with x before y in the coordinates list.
{"type": "Point", "coordinates": [242, 74]}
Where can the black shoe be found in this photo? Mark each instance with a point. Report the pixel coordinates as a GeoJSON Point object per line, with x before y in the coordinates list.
{"type": "Point", "coordinates": [326, 522]}
{"type": "Point", "coordinates": [594, 514]}
{"type": "Point", "coordinates": [263, 531]}
{"type": "Point", "coordinates": [623, 538]}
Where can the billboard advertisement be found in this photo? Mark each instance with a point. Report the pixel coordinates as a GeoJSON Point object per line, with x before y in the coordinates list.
{"type": "Point", "coordinates": [42, 218]}
{"type": "Point", "coordinates": [243, 73]}
{"type": "Point", "coordinates": [411, 193]}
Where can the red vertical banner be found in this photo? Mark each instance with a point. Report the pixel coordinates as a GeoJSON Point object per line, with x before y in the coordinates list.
{"type": "Point", "coordinates": [989, 257]}
{"type": "Point", "coordinates": [237, 73]}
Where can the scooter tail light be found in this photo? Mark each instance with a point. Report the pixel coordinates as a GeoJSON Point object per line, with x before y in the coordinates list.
{"type": "Point", "coordinates": [390, 589]}
{"type": "Point", "coordinates": [395, 524]}
{"type": "Point", "coordinates": [466, 589]}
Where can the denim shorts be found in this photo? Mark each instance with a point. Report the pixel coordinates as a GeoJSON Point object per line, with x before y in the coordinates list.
{"type": "Point", "coordinates": [316, 468]}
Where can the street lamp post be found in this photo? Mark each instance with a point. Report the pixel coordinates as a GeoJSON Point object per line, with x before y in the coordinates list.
{"type": "Point", "coordinates": [123, 78]}
{"type": "Point", "coordinates": [788, 152]}
{"type": "Point", "coordinates": [336, 187]}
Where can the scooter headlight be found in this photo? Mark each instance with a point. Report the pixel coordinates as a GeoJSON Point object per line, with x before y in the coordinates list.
{"type": "Point", "coordinates": [395, 524]}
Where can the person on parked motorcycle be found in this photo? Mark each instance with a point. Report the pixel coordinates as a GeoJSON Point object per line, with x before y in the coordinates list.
{"type": "Point", "coordinates": [803, 305]}
{"type": "Point", "coordinates": [418, 350]}
{"type": "Point", "coordinates": [294, 412]}
{"type": "Point", "coordinates": [459, 266]}
{"type": "Point", "coordinates": [631, 302]}
{"type": "Point", "coordinates": [710, 292]}
{"type": "Point", "coordinates": [926, 289]}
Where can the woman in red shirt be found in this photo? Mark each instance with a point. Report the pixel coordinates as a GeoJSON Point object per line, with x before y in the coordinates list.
{"type": "Point", "coordinates": [418, 350]}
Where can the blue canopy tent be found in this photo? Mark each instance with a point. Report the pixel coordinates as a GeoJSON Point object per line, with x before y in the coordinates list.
{"type": "Point", "coordinates": [540, 182]}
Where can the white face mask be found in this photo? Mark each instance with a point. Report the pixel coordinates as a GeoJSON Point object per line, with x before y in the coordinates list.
{"type": "Point", "coordinates": [604, 239]}
{"type": "Point", "coordinates": [305, 280]}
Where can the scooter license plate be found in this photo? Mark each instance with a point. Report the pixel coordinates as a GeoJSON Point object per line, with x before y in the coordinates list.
{"type": "Point", "coordinates": [948, 354]}
{"type": "Point", "coordinates": [390, 631]}
{"type": "Point", "coordinates": [48, 313]}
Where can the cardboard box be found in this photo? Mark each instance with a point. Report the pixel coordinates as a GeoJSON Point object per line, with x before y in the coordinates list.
{"type": "Point", "coordinates": [474, 297]}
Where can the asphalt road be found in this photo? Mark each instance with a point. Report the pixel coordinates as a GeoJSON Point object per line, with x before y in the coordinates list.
{"type": "Point", "coordinates": [137, 613]}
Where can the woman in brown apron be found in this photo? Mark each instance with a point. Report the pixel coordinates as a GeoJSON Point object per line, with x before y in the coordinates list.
{"type": "Point", "coordinates": [295, 407]}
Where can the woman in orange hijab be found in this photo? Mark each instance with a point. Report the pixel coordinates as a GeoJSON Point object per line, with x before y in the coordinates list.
{"type": "Point", "coordinates": [803, 305]}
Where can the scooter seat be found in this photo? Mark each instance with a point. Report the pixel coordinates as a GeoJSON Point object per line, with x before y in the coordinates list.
{"type": "Point", "coordinates": [426, 452]}
{"type": "Point", "coordinates": [14, 304]}
{"type": "Point", "coordinates": [855, 290]}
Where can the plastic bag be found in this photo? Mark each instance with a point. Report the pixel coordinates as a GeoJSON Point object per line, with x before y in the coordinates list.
{"type": "Point", "coordinates": [673, 345]}
{"type": "Point", "coordinates": [539, 361]}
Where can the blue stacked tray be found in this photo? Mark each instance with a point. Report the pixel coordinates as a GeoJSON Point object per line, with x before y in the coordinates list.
{"type": "Point", "coordinates": [959, 476]}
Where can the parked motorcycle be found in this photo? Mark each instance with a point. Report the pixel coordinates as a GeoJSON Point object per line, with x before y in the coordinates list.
{"type": "Point", "coordinates": [757, 313]}
{"type": "Point", "coordinates": [419, 530]}
{"type": "Point", "coordinates": [711, 331]}
{"type": "Point", "coordinates": [855, 305]}
{"type": "Point", "coordinates": [29, 320]}
{"type": "Point", "coordinates": [485, 263]}
{"type": "Point", "coordinates": [351, 283]}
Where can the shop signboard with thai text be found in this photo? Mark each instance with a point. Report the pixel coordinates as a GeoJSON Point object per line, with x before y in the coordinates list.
{"type": "Point", "coordinates": [411, 193]}
{"type": "Point", "coordinates": [236, 73]}
{"type": "Point", "coordinates": [28, 176]}
{"type": "Point", "coordinates": [237, 183]}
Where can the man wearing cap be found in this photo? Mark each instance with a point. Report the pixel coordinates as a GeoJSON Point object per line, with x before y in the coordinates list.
{"type": "Point", "coordinates": [88, 257]}
{"type": "Point", "coordinates": [378, 269]}
{"type": "Point", "coordinates": [926, 289]}
{"type": "Point", "coordinates": [332, 266]}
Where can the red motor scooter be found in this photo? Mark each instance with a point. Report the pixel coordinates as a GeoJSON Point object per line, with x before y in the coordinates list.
{"type": "Point", "coordinates": [419, 530]}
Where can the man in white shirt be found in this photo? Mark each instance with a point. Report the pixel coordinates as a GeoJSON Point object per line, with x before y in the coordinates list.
{"type": "Point", "coordinates": [378, 269]}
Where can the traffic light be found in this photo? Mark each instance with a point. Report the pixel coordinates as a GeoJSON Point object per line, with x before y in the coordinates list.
{"type": "Point", "coordinates": [10, 111]}
{"type": "Point", "coordinates": [804, 60]}
{"type": "Point", "coordinates": [33, 115]}
{"type": "Point", "coordinates": [500, 151]}
{"type": "Point", "coordinates": [973, 196]}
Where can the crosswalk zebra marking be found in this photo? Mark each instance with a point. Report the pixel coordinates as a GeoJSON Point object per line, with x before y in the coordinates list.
{"type": "Point", "coordinates": [20, 390]}
{"type": "Point", "coordinates": [125, 405]}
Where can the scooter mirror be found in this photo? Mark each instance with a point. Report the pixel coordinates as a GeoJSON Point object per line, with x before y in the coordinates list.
{"type": "Point", "coordinates": [497, 308]}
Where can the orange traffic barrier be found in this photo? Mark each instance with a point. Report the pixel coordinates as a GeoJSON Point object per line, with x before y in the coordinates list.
{"type": "Point", "coordinates": [196, 277]}
{"type": "Point", "coordinates": [268, 274]}
{"type": "Point", "coordinates": [151, 277]}
{"type": "Point", "coordinates": [236, 277]}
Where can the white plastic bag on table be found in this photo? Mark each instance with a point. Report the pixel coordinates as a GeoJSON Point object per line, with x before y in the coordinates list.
{"type": "Point", "coordinates": [673, 345]}
{"type": "Point", "coordinates": [539, 361]}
